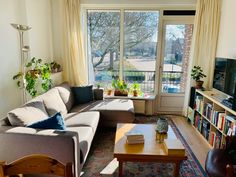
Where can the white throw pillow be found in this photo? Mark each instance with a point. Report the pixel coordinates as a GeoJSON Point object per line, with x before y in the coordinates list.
{"type": "Point", "coordinates": [29, 113]}
{"type": "Point", "coordinates": [53, 102]}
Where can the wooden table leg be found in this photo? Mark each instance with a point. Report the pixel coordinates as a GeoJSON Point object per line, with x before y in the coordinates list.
{"type": "Point", "coordinates": [120, 169]}
{"type": "Point", "coordinates": [176, 170]}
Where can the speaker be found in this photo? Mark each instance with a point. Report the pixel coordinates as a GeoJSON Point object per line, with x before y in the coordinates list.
{"type": "Point", "coordinates": [192, 97]}
{"type": "Point", "coordinates": [234, 99]}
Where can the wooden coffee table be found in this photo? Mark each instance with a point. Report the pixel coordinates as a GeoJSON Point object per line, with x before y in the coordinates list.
{"type": "Point", "coordinates": [150, 151]}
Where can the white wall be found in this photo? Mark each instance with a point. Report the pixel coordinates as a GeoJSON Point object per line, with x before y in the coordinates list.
{"type": "Point", "coordinates": [227, 35]}
{"type": "Point", "coordinates": [57, 25]}
{"type": "Point", "coordinates": [40, 36]}
{"type": "Point", "coordinates": [36, 14]}
{"type": "Point", "coordinates": [11, 11]}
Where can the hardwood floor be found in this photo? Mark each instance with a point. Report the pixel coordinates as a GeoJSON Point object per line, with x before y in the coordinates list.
{"type": "Point", "coordinates": [198, 144]}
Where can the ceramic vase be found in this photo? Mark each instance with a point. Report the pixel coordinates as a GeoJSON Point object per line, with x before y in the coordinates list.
{"type": "Point", "coordinates": [162, 125]}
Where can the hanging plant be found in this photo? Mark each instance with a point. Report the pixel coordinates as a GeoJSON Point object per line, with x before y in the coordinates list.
{"type": "Point", "coordinates": [37, 78]}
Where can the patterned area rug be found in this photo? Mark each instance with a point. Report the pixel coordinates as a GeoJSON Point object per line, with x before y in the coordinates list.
{"type": "Point", "coordinates": [101, 154]}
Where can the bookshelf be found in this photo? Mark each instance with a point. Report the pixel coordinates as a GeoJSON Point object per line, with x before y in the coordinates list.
{"type": "Point", "coordinates": [213, 120]}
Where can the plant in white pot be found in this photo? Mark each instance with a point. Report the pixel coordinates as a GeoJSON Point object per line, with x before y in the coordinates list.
{"type": "Point", "coordinates": [197, 74]}
{"type": "Point", "coordinates": [36, 79]}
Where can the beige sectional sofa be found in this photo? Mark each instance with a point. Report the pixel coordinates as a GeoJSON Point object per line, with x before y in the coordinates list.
{"type": "Point", "coordinates": [70, 145]}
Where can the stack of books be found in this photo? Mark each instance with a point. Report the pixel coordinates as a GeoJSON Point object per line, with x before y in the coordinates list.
{"type": "Point", "coordinates": [134, 137]}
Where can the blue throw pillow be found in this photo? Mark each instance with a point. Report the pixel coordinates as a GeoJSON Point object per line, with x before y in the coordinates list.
{"type": "Point", "coordinates": [54, 122]}
{"type": "Point", "coordinates": [83, 94]}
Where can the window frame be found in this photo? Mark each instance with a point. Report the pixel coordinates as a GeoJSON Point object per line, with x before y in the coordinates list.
{"type": "Point", "coordinates": [165, 21]}
{"type": "Point", "coordinates": [139, 7]}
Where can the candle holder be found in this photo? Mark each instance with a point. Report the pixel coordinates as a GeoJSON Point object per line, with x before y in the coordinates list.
{"type": "Point", "coordinates": [160, 137]}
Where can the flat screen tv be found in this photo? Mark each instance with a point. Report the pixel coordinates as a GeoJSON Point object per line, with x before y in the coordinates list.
{"type": "Point", "coordinates": [225, 75]}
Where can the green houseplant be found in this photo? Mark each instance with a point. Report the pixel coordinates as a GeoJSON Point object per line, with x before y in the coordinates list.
{"type": "Point", "coordinates": [135, 88]}
{"type": "Point", "coordinates": [55, 67]}
{"type": "Point", "coordinates": [197, 74]}
{"type": "Point", "coordinates": [121, 88]}
{"type": "Point", "coordinates": [36, 79]}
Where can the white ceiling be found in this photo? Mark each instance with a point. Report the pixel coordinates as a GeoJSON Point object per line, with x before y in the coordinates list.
{"type": "Point", "coordinates": [162, 2]}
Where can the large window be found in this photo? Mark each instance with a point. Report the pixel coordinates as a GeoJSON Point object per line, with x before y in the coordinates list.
{"type": "Point", "coordinates": [136, 34]}
{"type": "Point", "coordinates": [140, 46]}
{"type": "Point", "coordinates": [103, 45]}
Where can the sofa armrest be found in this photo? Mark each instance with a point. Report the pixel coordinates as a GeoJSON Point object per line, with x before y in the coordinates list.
{"type": "Point", "coordinates": [21, 141]}
{"type": "Point", "coordinates": [4, 122]}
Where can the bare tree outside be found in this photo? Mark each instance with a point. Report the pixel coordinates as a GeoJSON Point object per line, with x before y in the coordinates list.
{"type": "Point", "coordinates": [140, 36]}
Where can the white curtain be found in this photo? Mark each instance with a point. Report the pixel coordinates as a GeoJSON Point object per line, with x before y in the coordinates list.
{"type": "Point", "coordinates": [204, 43]}
{"type": "Point", "coordinates": [74, 61]}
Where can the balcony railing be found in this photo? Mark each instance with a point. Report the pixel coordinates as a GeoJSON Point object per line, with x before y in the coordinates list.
{"type": "Point", "coordinates": [171, 80]}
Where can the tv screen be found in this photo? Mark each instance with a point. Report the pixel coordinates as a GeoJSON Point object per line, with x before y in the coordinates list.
{"type": "Point", "coordinates": [225, 75]}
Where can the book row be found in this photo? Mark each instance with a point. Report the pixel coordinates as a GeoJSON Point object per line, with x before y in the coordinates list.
{"type": "Point", "coordinates": [224, 123]}
{"type": "Point", "coordinates": [203, 126]}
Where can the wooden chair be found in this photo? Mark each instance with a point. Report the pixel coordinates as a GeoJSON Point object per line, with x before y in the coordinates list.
{"type": "Point", "coordinates": [219, 162]}
{"type": "Point", "coordinates": [36, 164]}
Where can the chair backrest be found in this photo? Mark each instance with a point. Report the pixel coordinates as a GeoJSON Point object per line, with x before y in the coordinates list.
{"type": "Point", "coordinates": [36, 164]}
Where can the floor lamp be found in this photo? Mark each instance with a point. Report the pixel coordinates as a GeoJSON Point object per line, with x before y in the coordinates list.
{"type": "Point", "coordinates": [24, 50]}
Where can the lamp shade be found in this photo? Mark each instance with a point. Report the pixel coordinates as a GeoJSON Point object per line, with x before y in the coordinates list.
{"type": "Point", "coordinates": [20, 27]}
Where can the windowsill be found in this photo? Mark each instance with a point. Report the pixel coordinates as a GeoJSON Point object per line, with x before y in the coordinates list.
{"type": "Point", "coordinates": [143, 97]}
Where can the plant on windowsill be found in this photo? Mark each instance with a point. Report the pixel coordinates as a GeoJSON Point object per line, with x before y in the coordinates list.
{"type": "Point", "coordinates": [121, 88]}
{"type": "Point", "coordinates": [197, 74]}
{"type": "Point", "coordinates": [36, 79]}
{"type": "Point", "coordinates": [135, 89]}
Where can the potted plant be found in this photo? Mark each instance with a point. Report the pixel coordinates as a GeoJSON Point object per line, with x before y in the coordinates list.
{"type": "Point", "coordinates": [55, 67]}
{"type": "Point", "coordinates": [98, 92]}
{"type": "Point", "coordinates": [197, 74]}
{"type": "Point", "coordinates": [36, 79]}
{"type": "Point", "coordinates": [121, 88]}
{"type": "Point", "coordinates": [135, 88]}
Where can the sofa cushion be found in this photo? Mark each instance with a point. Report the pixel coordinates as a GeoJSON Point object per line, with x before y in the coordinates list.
{"type": "Point", "coordinates": [53, 102]}
{"type": "Point", "coordinates": [84, 107]}
{"type": "Point", "coordinates": [66, 95]}
{"type": "Point", "coordinates": [114, 105]}
{"type": "Point", "coordinates": [54, 122]}
{"type": "Point", "coordinates": [83, 119]}
{"type": "Point", "coordinates": [29, 113]}
{"type": "Point", "coordinates": [86, 135]}
{"type": "Point", "coordinates": [83, 94]}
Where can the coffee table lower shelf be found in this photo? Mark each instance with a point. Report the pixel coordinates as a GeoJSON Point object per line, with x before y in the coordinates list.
{"type": "Point", "coordinates": [176, 160]}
